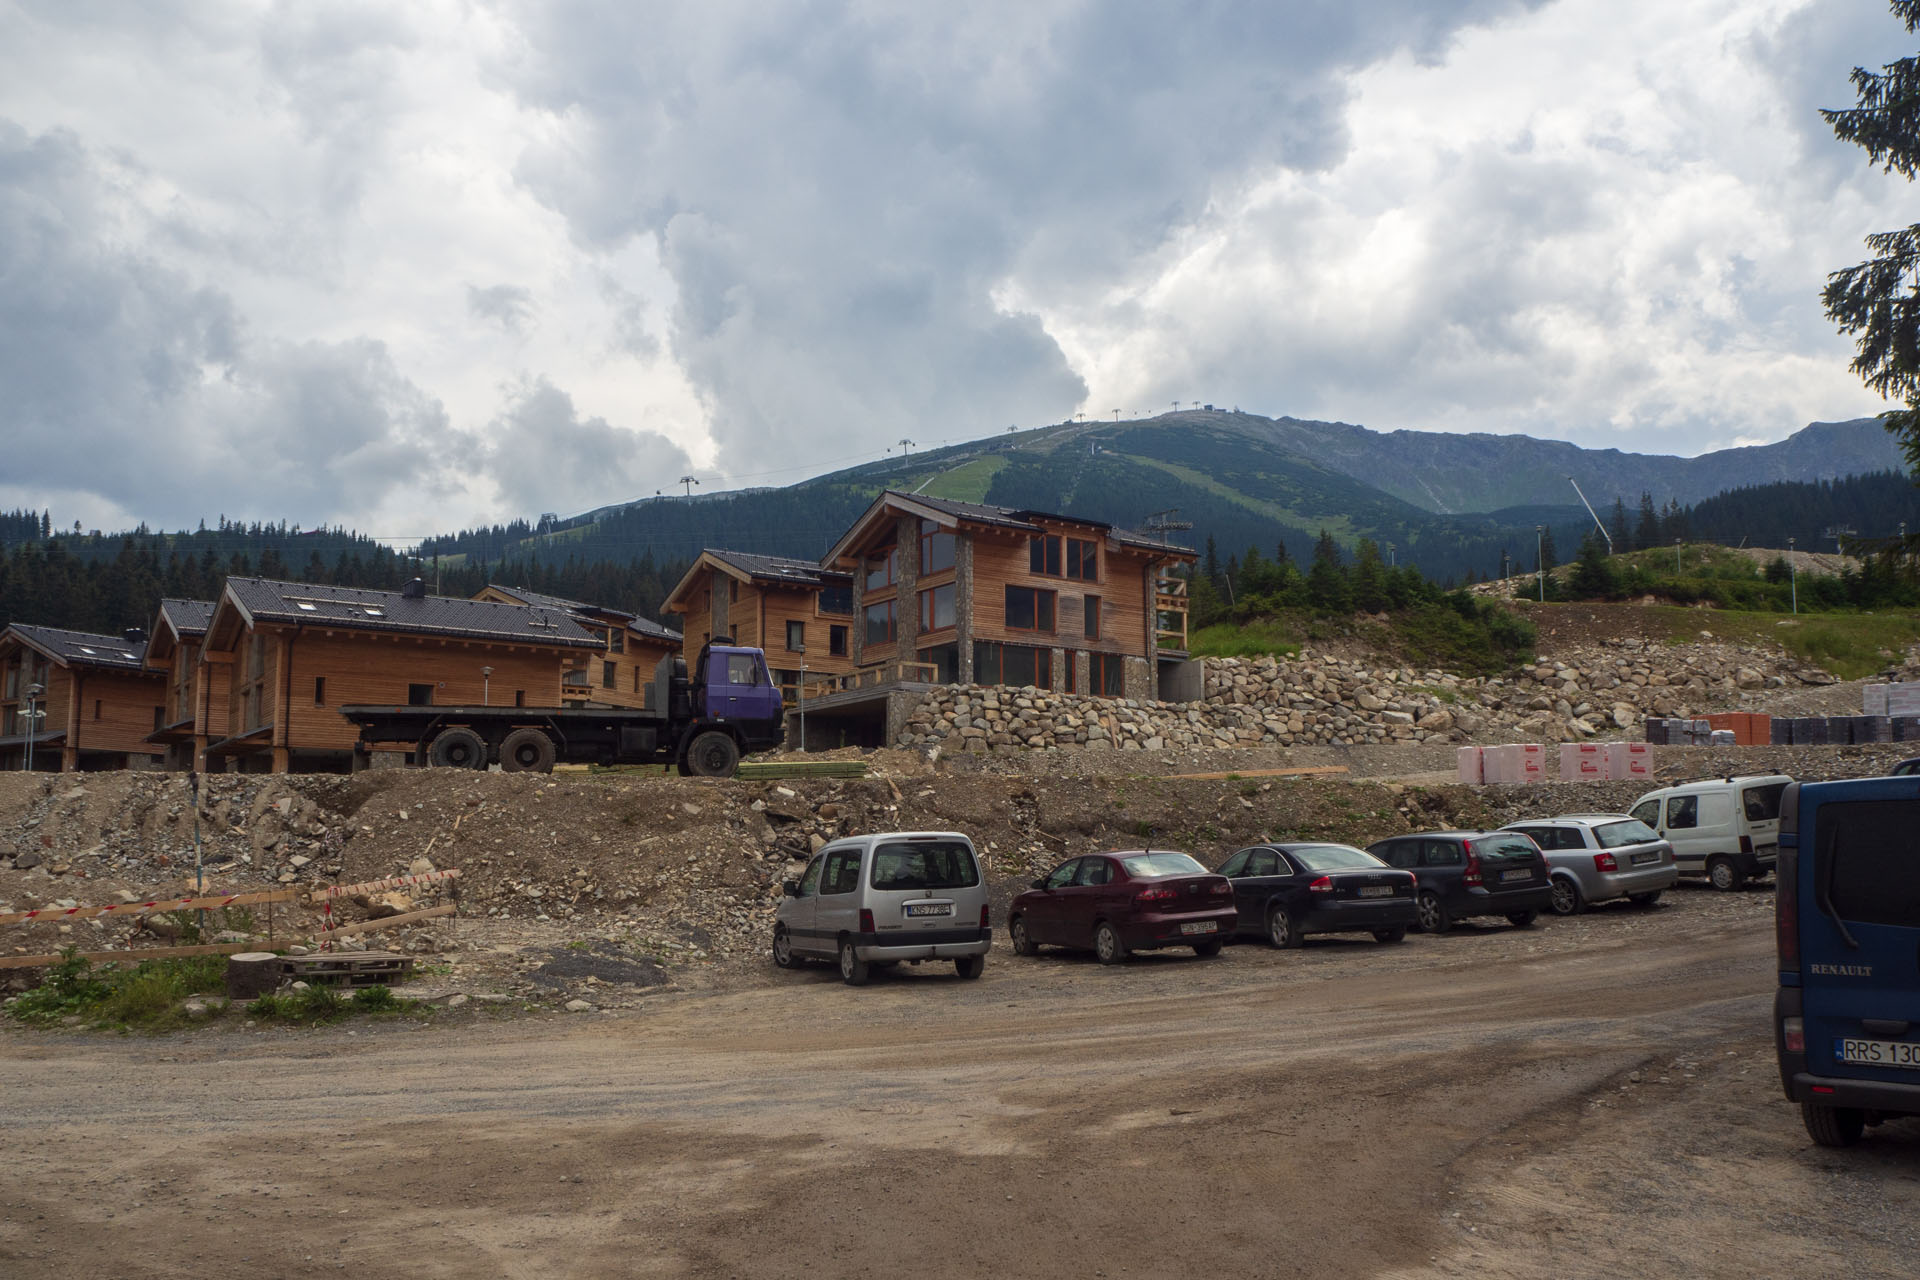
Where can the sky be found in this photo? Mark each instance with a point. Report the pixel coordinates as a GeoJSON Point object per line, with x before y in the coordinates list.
{"type": "Point", "coordinates": [410, 268]}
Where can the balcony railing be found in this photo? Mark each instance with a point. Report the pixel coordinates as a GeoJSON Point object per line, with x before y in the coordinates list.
{"type": "Point", "coordinates": [874, 677]}
{"type": "Point", "coordinates": [1170, 613]}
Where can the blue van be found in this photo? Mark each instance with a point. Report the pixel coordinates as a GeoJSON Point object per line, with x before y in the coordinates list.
{"type": "Point", "coordinates": [1847, 928]}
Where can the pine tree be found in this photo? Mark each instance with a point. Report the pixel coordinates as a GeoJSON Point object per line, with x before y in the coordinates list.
{"type": "Point", "coordinates": [1622, 536]}
{"type": "Point", "coordinates": [1647, 532]}
{"type": "Point", "coordinates": [1327, 589]}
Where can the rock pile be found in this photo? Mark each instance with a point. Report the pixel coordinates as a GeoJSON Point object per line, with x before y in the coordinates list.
{"type": "Point", "coordinates": [1328, 700]}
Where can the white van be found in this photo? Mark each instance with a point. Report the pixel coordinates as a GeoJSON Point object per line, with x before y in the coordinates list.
{"type": "Point", "coordinates": [1725, 828]}
{"type": "Point", "coordinates": [876, 900]}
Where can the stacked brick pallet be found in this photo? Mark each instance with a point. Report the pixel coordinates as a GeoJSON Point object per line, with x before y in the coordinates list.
{"type": "Point", "coordinates": [1579, 762]}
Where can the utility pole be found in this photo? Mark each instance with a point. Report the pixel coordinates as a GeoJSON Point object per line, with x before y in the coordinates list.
{"type": "Point", "coordinates": [1793, 575]}
{"type": "Point", "coordinates": [1597, 522]}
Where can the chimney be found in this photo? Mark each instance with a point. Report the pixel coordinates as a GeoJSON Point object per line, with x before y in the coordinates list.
{"type": "Point", "coordinates": [414, 590]}
{"type": "Point", "coordinates": [134, 636]}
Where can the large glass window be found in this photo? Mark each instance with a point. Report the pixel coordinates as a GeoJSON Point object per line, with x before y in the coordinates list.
{"type": "Point", "coordinates": [936, 607]}
{"type": "Point", "coordinates": [836, 600]}
{"type": "Point", "coordinates": [1090, 619]}
{"type": "Point", "coordinates": [1029, 609]}
{"type": "Point", "coordinates": [1043, 555]}
{"type": "Point", "coordinates": [945, 661]}
{"type": "Point", "coordinates": [880, 623]}
{"type": "Point", "coordinates": [837, 641]}
{"type": "Point", "coordinates": [1012, 664]}
{"type": "Point", "coordinates": [1868, 861]}
{"type": "Point", "coordinates": [1083, 560]}
{"type": "Point", "coordinates": [883, 568]}
{"type": "Point", "coordinates": [1106, 675]}
{"type": "Point", "coordinates": [936, 548]}
{"type": "Point", "coordinates": [929, 864]}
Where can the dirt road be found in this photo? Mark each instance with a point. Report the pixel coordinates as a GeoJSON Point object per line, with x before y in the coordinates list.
{"type": "Point", "coordinates": [1593, 1097]}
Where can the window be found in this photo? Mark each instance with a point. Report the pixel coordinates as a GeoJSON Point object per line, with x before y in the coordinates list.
{"type": "Point", "coordinates": [1151, 866]}
{"type": "Point", "coordinates": [1762, 803]}
{"type": "Point", "coordinates": [1232, 866]}
{"type": "Point", "coordinates": [796, 636]}
{"type": "Point", "coordinates": [945, 661]}
{"type": "Point", "coordinates": [1683, 812]}
{"type": "Point", "coordinates": [1866, 859]}
{"type": "Point", "coordinates": [1090, 618]}
{"type": "Point", "coordinates": [159, 719]}
{"type": "Point", "coordinates": [1083, 560]}
{"type": "Point", "coordinates": [1043, 555]}
{"type": "Point", "coordinates": [1263, 863]}
{"type": "Point", "coordinates": [96, 707]}
{"type": "Point", "coordinates": [419, 695]}
{"type": "Point", "coordinates": [1648, 813]}
{"type": "Point", "coordinates": [733, 590]}
{"type": "Point", "coordinates": [924, 864]}
{"type": "Point", "coordinates": [319, 691]}
{"type": "Point", "coordinates": [810, 882]}
{"type": "Point", "coordinates": [1441, 853]}
{"type": "Point", "coordinates": [936, 608]}
{"type": "Point", "coordinates": [1073, 673]}
{"type": "Point", "coordinates": [936, 548]}
{"type": "Point", "coordinates": [1029, 609]}
{"type": "Point", "coordinates": [880, 623]}
{"type": "Point", "coordinates": [743, 668]}
{"type": "Point", "coordinates": [609, 675]}
{"type": "Point", "coordinates": [835, 600]}
{"type": "Point", "coordinates": [636, 679]}
{"type": "Point", "coordinates": [883, 568]}
{"type": "Point", "coordinates": [1062, 875]}
{"type": "Point", "coordinates": [1012, 664]}
{"type": "Point", "coordinates": [842, 873]}
{"type": "Point", "coordinates": [519, 697]}
{"type": "Point", "coordinates": [1334, 857]}
{"type": "Point", "coordinates": [617, 640]}
{"type": "Point", "coordinates": [837, 640]}
{"type": "Point", "coordinates": [307, 606]}
{"type": "Point", "coordinates": [1404, 854]}
{"type": "Point", "coordinates": [1614, 835]}
{"type": "Point", "coordinates": [1093, 872]}
{"type": "Point", "coordinates": [373, 611]}
{"type": "Point", "coordinates": [1106, 675]}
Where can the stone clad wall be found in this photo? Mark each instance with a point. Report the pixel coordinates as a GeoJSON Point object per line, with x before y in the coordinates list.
{"type": "Point", "coordinates": [1325, 700]}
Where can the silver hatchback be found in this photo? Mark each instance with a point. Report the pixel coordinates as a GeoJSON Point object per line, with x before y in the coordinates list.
{"type": "Point", "coordinates": [877, 900]}
{"type": "Point", "coordinates": [1596, 857]}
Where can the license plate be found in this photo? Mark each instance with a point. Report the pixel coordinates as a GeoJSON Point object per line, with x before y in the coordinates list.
{"type": "Point", "coordinates": [1199, 926]}
{"type": "Point", "coordinates": [1376, 891]}
{"type": "Point", "coordinates": [1642, 859]}
{"type": "Point", "coordinates": [929, 908]}
{"type": "Point", "coordinates": [1522, 874]}
{"type": "Point", "coordinates": [1878, 1053]}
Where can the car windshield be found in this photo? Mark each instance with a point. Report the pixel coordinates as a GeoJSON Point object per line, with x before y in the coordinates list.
{"type": "Point", "coordinates": [1334, 857]}
{"type": "Point", "coordinates": [1763, 803]}
{"type": "Point", "coordinates": [1149, 866]}
{"type": "Point", "coordinates": [928, 864]}
{"type": "Point", "coordinates": [1612, 835]}
{"type": "Point", "coordinates": [1507, 848]}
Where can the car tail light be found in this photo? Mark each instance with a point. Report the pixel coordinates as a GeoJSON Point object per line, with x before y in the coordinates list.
{"type": "Point", "coordinates": [1793, 1034]}
{"type": "Point", "coordinates": [1472, 875]}
{"type": "Point", "coordinates": [1221, 888]}
{"type": "Point", "coordinates": [866, 921]}
{"type": "Point", "coordinates": [1746, 844]}
{"type": "Point", "coordinates": [1147, 897]}
{"type": "Point", "coordinates": [985, 921]}
{"type": "Point", "coordinates": [1786, 922]}
{"type": "Point", "coordinates": [1605, 862]}
{"type": "Point", "coordinates": [1323, 885]}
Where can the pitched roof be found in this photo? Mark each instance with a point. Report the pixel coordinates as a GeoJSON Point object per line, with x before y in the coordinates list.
{"type": "Point", "coordinates": [1003, 517]}
{"type": "Point", "coordinates": [360, 609]}
{"type": "Point", "coordinates": [645, 626]}
{"type": "Point", "coordinates": [781, 569]}
{"type": "Point", "coordinates": [81, 648]}
{"type": "Point", "coordinates": [187, 617]}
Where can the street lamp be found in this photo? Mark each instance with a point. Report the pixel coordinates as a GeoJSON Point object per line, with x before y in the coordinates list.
{"type": "Point", "coordinates": [34, 691]}
{"type": "Point", "coordinates": [486, 686]}
{"type": "Point", "coordinates": [1540, 559]}
{"type": "Point", "coordinates": [1676, 557]}
{"type": "Point", "coordinates": [1793, 575]}
{"type": "Point", "coordinates": [802, 697]}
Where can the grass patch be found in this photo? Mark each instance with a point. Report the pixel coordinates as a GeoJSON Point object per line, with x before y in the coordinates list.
{"type": "Point", "coordinates": [1851, 646]}
{"type": "Point", "coordinates": [147, 996]}
{"type": "Point", "coordinates": [1247, 640]}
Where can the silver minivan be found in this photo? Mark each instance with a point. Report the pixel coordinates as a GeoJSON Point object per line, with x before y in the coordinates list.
{"type": "Point", "coordinates": [881, 899]}
{"type": "Point", "coordinates": [1726, 828]}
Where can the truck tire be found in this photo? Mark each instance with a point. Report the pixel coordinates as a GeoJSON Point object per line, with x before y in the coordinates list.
{"type": "Point", "coordinates": [458, 749]}
{"type": "Point", "coordinates": [527, 751]}
{"type": "Point", "coordinates": [712, 755]}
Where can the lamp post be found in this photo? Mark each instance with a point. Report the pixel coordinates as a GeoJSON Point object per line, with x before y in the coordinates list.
{"type": "Point", "coordinates": [486, 686]}
{"type": "Point", "coordinates": [1676, 557]}
{"type": "Point", "coordinates": [1793, 576]}
{"type": "Point", "coordinates": [801, 697]}
{"type": "Point", "coordinates": [1540, 559]}
{"type": "Point", "coordinates": [33, 718]}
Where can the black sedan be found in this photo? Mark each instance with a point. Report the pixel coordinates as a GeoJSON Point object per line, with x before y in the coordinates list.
{"type": "Point", "coordinates": [1287, 891]}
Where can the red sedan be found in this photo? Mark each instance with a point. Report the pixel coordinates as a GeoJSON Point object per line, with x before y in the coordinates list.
{"type": "Point", "coordinates": [1128, 900]}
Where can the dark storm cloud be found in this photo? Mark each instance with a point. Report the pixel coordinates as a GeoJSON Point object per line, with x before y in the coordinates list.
{"type": "Point", "coordinates": [839, 191]}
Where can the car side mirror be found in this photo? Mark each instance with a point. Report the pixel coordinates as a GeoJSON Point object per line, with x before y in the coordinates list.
{"type": "Point", "coordinates": [790, 887]}
{"type": "Point", "coordinates": [1041, 883]}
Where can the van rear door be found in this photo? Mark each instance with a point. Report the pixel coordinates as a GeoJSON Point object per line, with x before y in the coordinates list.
{"type": "Point", "coordinates": [1858, 907]}
{"type": "Point", "coordinates": [924, 888]}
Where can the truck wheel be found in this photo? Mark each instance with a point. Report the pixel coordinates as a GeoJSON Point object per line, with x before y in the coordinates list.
{"type": "Point", "coordinates": [458, 749]}
{"type": "Point", "coordinates": [1833, 1126]}
{"type": "Point", "coordinates": [713, 755]}
{"type": "Point", "coordinates": [527, 751]}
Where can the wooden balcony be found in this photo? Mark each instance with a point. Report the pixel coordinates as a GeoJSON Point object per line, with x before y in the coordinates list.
{"type": "Point", "coordinates": [873, 678]}
{"type": "Point", "coordinates": [1170, 613]}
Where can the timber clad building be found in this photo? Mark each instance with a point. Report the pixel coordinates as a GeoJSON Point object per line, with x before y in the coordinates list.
{"type": "Point", "coordinates": [621, 674]}
{"type": "Point", "coordinates": [796, 611]}
{"type": "Point", "coordinates": [97, 702]}
{"type": "Point", "coordinates": [280, 659]}
{"type": "Point", "coordinates": [174, 652]}
{"type": "Point", "coordinates": [949, 592]}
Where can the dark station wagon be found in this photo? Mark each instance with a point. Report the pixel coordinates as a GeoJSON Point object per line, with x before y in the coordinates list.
{"type": "Point", "coordinates": [1284, 892]}
{"type": "Point", "coordinates": [1471, 873]}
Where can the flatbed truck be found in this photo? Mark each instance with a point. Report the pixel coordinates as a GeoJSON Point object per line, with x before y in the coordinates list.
{"type": "Point", "coordinates": [703, 724]}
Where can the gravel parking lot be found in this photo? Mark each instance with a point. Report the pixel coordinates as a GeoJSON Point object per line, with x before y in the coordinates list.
{"type": "Point", "coordinates": [1591, 1097]}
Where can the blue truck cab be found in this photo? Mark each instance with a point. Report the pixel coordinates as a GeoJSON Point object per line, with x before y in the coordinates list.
{"type": "Point", "coordinates": [1847, 930]}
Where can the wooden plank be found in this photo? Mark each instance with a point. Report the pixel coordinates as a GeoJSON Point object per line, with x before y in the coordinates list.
{"type": "Point", "coordinates": [147, 953]}
{"type": "Point", "coordinates": [391, 882]}
{"type": "Point", "coordinates": [1262, 773]}
{"type": "Point", "coordinates": [773, 769]}
{"type": "Point", "coordinates": [390, 922]}
{"type": "Point", "coordinates": [141, 908]}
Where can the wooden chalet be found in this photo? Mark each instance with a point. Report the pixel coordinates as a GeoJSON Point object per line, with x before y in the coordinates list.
{"type": "Point", "coordinates": [96, 703]}
{"type": "Point", "coordinates": [799, 613]}
{"type": "Point", "coordinates": [949, 592]}
{"type": "Point", "coordinates": [280, 658]}
{"type": "Point", "coordinates": [621, 675]}
{"type": "Point", "coordinates": [174, 652]}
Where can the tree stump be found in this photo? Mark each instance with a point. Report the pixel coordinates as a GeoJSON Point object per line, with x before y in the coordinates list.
{"type": "Point", "coordinates": [251, 974]}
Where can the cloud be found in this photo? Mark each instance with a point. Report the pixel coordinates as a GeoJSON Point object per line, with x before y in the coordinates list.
{"type": "Point", "coordinates": [544, 456]}
{"type": "Point", "coordinates": [507, 305]}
